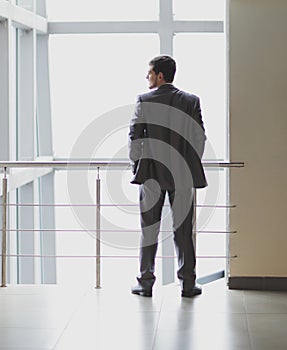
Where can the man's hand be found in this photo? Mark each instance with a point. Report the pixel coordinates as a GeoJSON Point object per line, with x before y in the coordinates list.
{"type": "Point", "coordinates": [134, 166]}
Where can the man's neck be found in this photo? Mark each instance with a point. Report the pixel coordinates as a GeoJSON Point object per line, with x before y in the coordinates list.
{"type": "Point", "coordinates": [163, 83]}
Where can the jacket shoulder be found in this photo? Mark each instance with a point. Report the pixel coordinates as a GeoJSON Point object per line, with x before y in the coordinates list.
{"type": "Point", "coordinates": [146, 96]}
{"type": "Point", "coordinates": [159, 94]}
{"type": "Point", "coordinates": [188, 96]}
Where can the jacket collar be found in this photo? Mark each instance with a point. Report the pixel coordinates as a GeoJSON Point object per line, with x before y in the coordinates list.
{"type": "Point", "coordinates": [167, 86]}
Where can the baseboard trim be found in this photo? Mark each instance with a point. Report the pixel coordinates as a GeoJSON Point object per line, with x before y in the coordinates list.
{"type": "Point", "coordinates": [258, 283]}
{"type": "Point", "coordinates": [210, 278]}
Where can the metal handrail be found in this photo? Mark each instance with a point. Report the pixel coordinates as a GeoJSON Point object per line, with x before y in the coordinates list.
{"type": "Point", "coordinates": [106, 205]}
{"type": "Point", "coordinates": [115, 256]}
{"type": "Point", "coordinates": [60, 164]}
{"type": "Point", "coordinates": [107, 230]}
{"type": "Point", "coordinates": [80, 164]}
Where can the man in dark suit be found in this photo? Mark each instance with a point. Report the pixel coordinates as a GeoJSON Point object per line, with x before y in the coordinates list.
{"type": "Point", "coordinates": [166, 144]}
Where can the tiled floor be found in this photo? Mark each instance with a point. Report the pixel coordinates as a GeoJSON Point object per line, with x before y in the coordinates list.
{"type": "Point", "coordinates": [51, 317]}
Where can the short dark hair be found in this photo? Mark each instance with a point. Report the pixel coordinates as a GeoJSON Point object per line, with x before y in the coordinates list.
{"type": "Point", "coordinates": [166, 65]}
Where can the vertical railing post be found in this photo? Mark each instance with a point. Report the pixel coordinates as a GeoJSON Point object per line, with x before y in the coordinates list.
{"type": "Point", "coordinates": [194, 220]}
{"type": "Point", "coordinates": [4, 230]}
{"type": "Point", "coordinates": [98, 230]}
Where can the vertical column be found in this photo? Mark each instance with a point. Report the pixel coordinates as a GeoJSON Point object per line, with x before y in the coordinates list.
{"type": "Point", "coordinates": [44, 124]}
{"type": "Point", "coordinates": [26, 94]}
{"type": "Point", "coordinates": [4, 102]}
{"type": "Point", "coordinates": [166, 47]}
{"type": "Point", "coordinates": [259, 192]}
{"type": "Point", "coordinates": [44, 149]}
{"type": "Point", "coordinates": [4, 90]}
{"type": "Point", "coordinates": [166, 27]}
{"type": "Point", "coordinates": [12, 242]}
{"type": "Point", "coordinates": [26, 149]}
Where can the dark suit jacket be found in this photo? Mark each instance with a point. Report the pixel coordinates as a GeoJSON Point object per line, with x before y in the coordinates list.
{"type": "Point", "coordinates": [167, 139]}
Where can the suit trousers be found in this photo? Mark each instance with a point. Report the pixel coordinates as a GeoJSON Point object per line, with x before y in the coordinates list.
{"type": "Point", "coordinates": [182, 205]}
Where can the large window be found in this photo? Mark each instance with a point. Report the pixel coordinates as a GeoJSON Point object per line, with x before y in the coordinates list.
{"type": "Point", "coordinates": [201, 70]}
{"type": "Point", "coordinates": [98, 10]}
{"type": "Point", "coordinates": [96, 55]}
{"type": "Point", "coordinates": [25, 124]}
{"type": "Point", "coordinates": [102, 69]}
{"type": "Point", "coordinates": [26, 4]}
{"type": "Point", "coordinates": [199, 9]}
{"type": "Point", "coordinates": [91, 75]}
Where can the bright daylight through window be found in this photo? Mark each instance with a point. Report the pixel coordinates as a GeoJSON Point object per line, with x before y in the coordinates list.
{"type": "Point", "coordinates": [97, 72]}
{"type": "Point", "coordinates": [75, 69]}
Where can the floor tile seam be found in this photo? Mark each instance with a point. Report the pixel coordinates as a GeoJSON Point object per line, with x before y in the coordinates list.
{"type": "Point", "coordinates": [75, 311]}
{"type": "Point", "coordinates": [107, 310]}
{"type": "Point", "coordinates": [39, 307]}
{"type": "Point", "coordinates": [157, 324]}
{"type": "Point", "coordinates": [38, 297]}
{"type": "Point", "coordinates": [29, 328]}
{"type": "Point", "coordinates": [266, 313]}
{"type": "Point", "coordinates": [33, 327]}
{"type": "Point", "coordinates": [13, 348]}
{"type": "Point", "coordinates": [207, 313]}
{"type": "Point", "coordinates": [62, 319]}
{"type": "Point", "coordinates": [6, 294]}
{"type": "Point", "coordinates": [37, 291]}
{"type": "Point", "coordinates": [247, 323]}
{"type": "Point", "coordinates": [249, 333]}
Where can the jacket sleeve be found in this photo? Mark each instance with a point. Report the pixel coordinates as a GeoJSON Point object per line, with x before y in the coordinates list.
{"type": "Point", "coordinates": [199, 131]}
{"type": "Point", "coordinates": [136, 135]}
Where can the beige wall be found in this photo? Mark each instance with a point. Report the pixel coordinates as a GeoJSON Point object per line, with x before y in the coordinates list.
{"type": "Point", "coordinates": [258, 136]}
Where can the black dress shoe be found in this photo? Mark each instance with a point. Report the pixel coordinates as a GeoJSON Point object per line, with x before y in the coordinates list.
{"type": "Point", "coordinates": [191, 292]}
{"type": "Point", "coordinates": [139, 290]}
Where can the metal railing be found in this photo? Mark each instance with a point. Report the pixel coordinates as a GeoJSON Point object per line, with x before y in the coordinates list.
{"type": "Point", "coordinates": [81, 164]}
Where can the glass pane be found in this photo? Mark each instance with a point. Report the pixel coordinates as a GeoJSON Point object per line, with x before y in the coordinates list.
{"type": "Point", "coordinates": [41, 7]}
{"type": "Point", "coordinates": [201, 71]}
{"type": "Point", "coordinates": [98, 10]}
{"type": "Point", "coordinates": [212, 219]}
{"type": "Point", "coordinates": [199, 9]}
{"type": "Point", "coordinates": [26, 4]}
{"type": "Point", "coordinates": [90, 76]}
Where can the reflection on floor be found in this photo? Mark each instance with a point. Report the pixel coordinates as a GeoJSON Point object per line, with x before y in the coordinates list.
{"type": "Point", "coordinates": [52, 317]}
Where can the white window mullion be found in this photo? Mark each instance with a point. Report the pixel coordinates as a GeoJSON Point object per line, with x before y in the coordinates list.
{"type": "Point", "coordinates": [21, 17]}
{"type": "Point", "coordinates": [43, 98]}
{"type": "Point", "coordinates": [166, 33]}
{"type": "Point", "coordinates": [199, 26]}
{"type": "Point", "coordinates": [12, 211]}
{"type": "Point", "coordinates": [26, 149]}
{"type": "Point", "coordinates": [104, 27]}
{"type": "Point", "coordinates": [4, 90]}
{"type": "Point", "coordinates": [166, 30]}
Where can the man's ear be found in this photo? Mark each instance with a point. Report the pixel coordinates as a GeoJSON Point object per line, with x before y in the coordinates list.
{"type": "Point", "coordinates": [160, 76]}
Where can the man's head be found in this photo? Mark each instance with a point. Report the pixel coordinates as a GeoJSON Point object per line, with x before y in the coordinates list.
{"type": "Point", "coordinates": [161, 71]}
